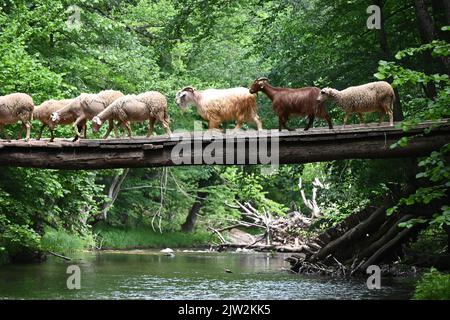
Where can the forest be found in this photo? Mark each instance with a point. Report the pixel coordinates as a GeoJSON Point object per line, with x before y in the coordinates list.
{"type": "Point", "coordinates": [59, 49]}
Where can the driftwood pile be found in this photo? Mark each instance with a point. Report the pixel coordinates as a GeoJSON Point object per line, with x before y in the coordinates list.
{"type": "Point", "coordinates": [370, 237]}
{"type": "Point", "coordinates": [278, 233]}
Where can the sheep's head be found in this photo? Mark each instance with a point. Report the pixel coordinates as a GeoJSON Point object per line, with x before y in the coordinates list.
{"type": "Point", "coordinates": [96, 124]}
{"type": "Point", "coordinates": [54, 117]}
{"type": "Point", "coordinates": [325, 93]}
{"type": "Point", "coordinates": [185, 96]}
{"type": "Point", "coordinates": [258, 84]}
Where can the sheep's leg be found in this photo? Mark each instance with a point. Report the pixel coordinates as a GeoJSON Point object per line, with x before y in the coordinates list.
{"type": "Point", "coordinates": [151, 127]}
{"type": "Point", "coordinates": [25, 125]}
{"type": "Point", "coordinates": [40, 132]}
{"type": "Point", "coordinates": [85, 130]}
{"type": "Point", "coordinates": [128, 126]}
{"type": "Point", "coordinates": [79, 127]}
{"type": "Point", "coordinates": [166, 126]}
{"type": "Point", "coordinates": [110, 128]}
{"type": "Point", "coordinates": [310, 122]}
{"type": "Point", "coordinates": [22, 127]}
{"type": "Point", "coordinates": [330, 124]}
{"type": "Point", "coordinates": [391, 119]}
{"type": "Point", "coordinates": [78, 122]}
{"type": "Point", "coordinates": [122, 125]}
{"type": "Point", "coordinates": [52, 135]}
{"type": "Point", "coordinates": [361, 119]}
{"type": "Point", "coordinates": [28, 126]}
{"type": "Point", "coordinates": [116, 130]}
{"type": "Point", "coordinates": [382, 114]}
{"type": "Point", "coordinates": [345, 119]}
{"type": "Point", "coordinates": [2, 129]}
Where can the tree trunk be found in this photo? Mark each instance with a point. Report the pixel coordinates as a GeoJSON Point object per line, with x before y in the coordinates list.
{"type": "Point", "coordinates": [447, 230]}
{"type": "Point", "coordinates": [428, 33]}
{"type": "Point", "coordinates": [189, 223]}
{"type": "Point", "coordinates": [113, 193]}
{"type": "Point", "coordinates": [387, 54]}
{"type": "Point", "coordinates": [447, 11]}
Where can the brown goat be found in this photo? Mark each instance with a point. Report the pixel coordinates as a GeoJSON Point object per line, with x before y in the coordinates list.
{"type": "Point", "coordinates": [288, 101]}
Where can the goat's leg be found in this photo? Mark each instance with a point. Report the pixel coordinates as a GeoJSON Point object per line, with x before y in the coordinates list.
{"type": "Point", "coordinates": [110, 128]}
{"type": "Point", "coordinates": [213, 124]}
{"type": "Point", "coordinates": [238, 125]}
{"type": "Point", "coordinates": [282, 123]}
{"type": "Point", "coordinates": [151, 127]}
{"type": "Point", "coordinates": [310, 122]}
{"type": "Point", "coordinates": [258, 122]}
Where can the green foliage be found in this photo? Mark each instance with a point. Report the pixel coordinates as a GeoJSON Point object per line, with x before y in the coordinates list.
{"type": "Point", "coordinates": [62, 242]}
{"type": "Point", "coordinates": [141, 45]}
{"type": "Point", "coordinates": [435, 167]}
{"type": "Point", "coordinates": [434, 285]}
{"type": "Point", "coordinates": [432, 240]}
{"type": "Point", "coordinates": [145, 237]}
{"type": "Point", "coordinates": [59, 199]}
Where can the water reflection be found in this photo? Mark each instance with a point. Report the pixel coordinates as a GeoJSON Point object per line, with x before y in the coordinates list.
{"type": "Point", "coordinates": [193, 275]}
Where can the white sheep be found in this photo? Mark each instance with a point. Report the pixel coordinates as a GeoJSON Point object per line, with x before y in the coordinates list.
{"type": "Point", "coordinates": [375, 96]}
{"type": "Point", "coordinates": [17, 107]}
{"type": "Point", "coordinates": [85, 107]}
{"type": "Point", "coordinates": [43, 112]}
{"type": "Point", "coordinates": [150, 106]}
{"type": "Point", "coordinates": [219, 105]}
{"type": "Point", "coordinates": [72, 113]}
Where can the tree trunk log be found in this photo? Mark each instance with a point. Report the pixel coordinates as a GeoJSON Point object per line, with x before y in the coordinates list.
{"type": "Point", "coordinates": [189, 223]}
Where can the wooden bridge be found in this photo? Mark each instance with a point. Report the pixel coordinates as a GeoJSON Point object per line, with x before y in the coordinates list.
{"type": "Point", "coordinates": [240, 147]}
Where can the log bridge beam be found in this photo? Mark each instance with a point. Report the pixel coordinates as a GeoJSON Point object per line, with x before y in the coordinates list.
{"type": "Point", "coordinates": [286, 147]}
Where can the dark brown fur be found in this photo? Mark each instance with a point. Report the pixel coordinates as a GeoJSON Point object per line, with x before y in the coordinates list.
{"type": "Point", "coordinates": [288, 101]}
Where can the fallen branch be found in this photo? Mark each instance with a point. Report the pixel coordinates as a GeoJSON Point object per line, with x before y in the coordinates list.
{"type": "Point", "coordinates": [59, 256]}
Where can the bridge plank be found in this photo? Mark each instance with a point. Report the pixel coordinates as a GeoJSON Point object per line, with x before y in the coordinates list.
{"type": "Point", "coordinates": [317, 144]}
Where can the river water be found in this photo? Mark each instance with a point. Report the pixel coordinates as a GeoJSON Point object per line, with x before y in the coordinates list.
{"type": "Point", "coordinates": [146, 274]}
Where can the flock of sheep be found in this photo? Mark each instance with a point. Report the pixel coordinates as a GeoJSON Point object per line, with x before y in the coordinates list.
{"type": "Point", "coordinates": [213, 105]}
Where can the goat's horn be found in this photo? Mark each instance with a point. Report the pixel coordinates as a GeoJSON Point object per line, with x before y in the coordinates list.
{"type": "Point", "coordinates": [189, 88]}
{"type": "Point", "coordinates": [262, 78]}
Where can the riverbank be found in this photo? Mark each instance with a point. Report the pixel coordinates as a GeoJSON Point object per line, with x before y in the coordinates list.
{"type": "Point", "coordinates": [147, 238]}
